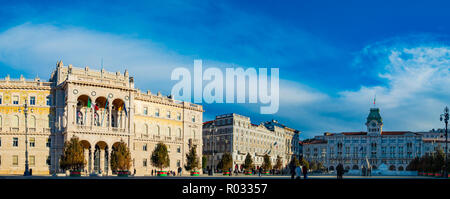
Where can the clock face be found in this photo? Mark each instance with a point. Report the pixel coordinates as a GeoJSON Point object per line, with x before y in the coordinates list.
{"type": "Point", "coordinates": [373, 124]}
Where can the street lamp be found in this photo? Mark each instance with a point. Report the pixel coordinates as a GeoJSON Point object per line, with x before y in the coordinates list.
{"type": "Point", "coordinates": [25, 111]}
{"type": "Point", "coordinates": [210, 140]}
{"type": "Point", "coordinates": [445, 117]}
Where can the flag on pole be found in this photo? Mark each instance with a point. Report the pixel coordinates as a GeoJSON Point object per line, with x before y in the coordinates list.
{"type": "Point", "coordinates": [89, 103]}
{"type": "Point", "coordinates": [125, 109]}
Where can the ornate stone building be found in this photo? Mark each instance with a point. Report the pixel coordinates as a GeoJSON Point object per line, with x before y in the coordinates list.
{"type": "Point", "coordinates": [373, 147]}
{"type": "Point", "coordinates": [236, 134]}
{"type": "Point", "coordinates": [101, 109]}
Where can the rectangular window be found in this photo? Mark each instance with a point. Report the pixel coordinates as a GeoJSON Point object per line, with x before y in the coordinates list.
{"type": "Point", "coordinates": [15, 99]}
{"type": "Point", "coordinates": [144, 162]}
{"type": "Point", "coordinates": [15, 161]}
{"type": "Point", "coordinates": [145, 111]}
{"type": "Point", "coordinates": [193, 118]}
{"type": "Point", "coordinates": [32, 160]}
{"type": "Point", "coordinates": [157, 113]}
{"type": "Point", "coordinates": [168, 114]}
{"type": "Point", "coordinates": [1, 99]}
{"type": "Point", "coordinates": [15, 142]}
{"type": "Point", "coordinates": [48, 161]}
{"type": "Point", "coordinates": [144, 148]}
{"type": "Point", "coordinates": [178, 163]}
{"type": "Point", "coordinates": [49, 142]}
{"type": "Point", "coordinates": [48, 100]}
{"type": "Point", "coordinates": [32, 100]}
{"type": "Point", "coordinates": [32, 142]}
{"type": "Point", "coordinates": [179, 116]}
{"type": "Point", "coordinates": [0, 142]}
{"type": "Point", "coordinates": [179, 149]}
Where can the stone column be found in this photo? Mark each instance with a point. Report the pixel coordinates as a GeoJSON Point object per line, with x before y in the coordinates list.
{"type": "Point", "coordinates": [86, 158]}
{"type": "Point", "coordinates": [102, 161]}
{"type": "Point", "coordinates": [109, 117]}
{"type": "Point", "coordinates": [109, 163]}
{"type": "Point", "coordinates": [92, 117]}
{"type": "Point", "coordinates": [91, 159]}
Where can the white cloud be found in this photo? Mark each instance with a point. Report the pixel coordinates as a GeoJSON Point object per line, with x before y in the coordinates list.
{"type": "Point", "coordinates": [37, 48]}
{"type": "Point", "coordinates": [413, 92]}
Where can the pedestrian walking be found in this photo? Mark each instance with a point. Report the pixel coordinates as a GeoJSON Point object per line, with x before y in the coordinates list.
{"type": "Point", "coordinates": [179, 171]}
{"type": "Point", "coordinates": [260, 171]}
{"type": "Point", "coordinates": [298, 172]}
{"type": "Point", "coordinates": [305, 171]}
{"type": "Point", "coordinates": [340, 171]}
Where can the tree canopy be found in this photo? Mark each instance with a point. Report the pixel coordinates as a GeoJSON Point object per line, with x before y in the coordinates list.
{"type": "Point", "coordinates": [120, 157]}
{"type": "Point", "coordinates": [160, 156]}
{"type": "Point", "coordinates": [267, 163]}
{"type": "Point", "coordinates": [73, 155]}
{"type": "Point", "coordinates": [279, 163]}
{"type": "Point", "coordinates": [248, 163]}
{"type": "Point", "coordinates": [192, 160]}
{"type": "Point", "coordinates": [226, 163]}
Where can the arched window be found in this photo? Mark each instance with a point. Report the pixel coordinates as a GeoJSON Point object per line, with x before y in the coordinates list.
{"type": "Point", "coordinates": [179, 132]}
{"type": "Point", "coordinates": [169, 131]}
{"type": "Point", "coordinates": [97, 119]}
{"type": "Point", "coordinates": [32, 123]}
{"type": "Point", "coordinates": [15, 123]}
{"type": "Point", "coordinates": [79, 117]}
{"type": "Point", "coordinates": [146, 130]}
{"type": "Point", "coordinates": [193, 133]}
{"type": "Point", "coordinates": [158, 130]}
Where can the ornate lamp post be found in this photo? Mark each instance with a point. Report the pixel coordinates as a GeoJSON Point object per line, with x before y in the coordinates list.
{"type": "Point", "coordinates": [25, 111]}
{"type": "Point", "coordinates": [445, 118]}
{"type": "Point", "coordinates": [211, 137]}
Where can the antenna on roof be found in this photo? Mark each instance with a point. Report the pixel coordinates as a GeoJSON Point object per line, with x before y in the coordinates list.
{"type": "Point", "coordinates": [374, 100]}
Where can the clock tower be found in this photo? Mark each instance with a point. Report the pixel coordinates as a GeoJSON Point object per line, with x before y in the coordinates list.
{"type": "Point", "coordinates": [374, 122]}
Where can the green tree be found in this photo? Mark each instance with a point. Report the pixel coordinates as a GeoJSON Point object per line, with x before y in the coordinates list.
{"type": "Point", "coordinates": [279, 163]}
{"type": "Point", "coordinates": [313, 165]}
{"type": "Point", "coordinates": [267, 163]}
{"type": "Point", "coordinates": [73, 155]}
{"type": "Point", "coordinates": [160, 156]}
{"type": "Point", "coordinates": [248, 163]}
{"type": "Point", "coordinates": [120, 157]}
{"type": "Point", "coordinates": [294, 162]}
{"type": "Point", "coordinates": [226, 163]}
{"type": "Point", "coordinates": [438, 160]}
{"type": "Point", "coordinates": [204, 161]}
{"type": "Point", "coordinates": [413, 165]}
{"type": "Point", "coordinates": [304, 163]}
{"type": "Point", "coordinates": [192, 161]}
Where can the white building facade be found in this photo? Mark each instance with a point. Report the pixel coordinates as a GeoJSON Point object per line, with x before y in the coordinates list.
{"type": "Point", "coordinates": [371, 148]}
{"type": "Point", "coordinates": [236, 135]}
{"type": "Point", "coordinates": [101, 109]}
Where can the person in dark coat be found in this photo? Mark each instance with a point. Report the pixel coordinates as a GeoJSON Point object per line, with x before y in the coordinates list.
{"type": "Point", "coordinates": [305, 171]}
{"type": "Point", "coordinates": [292, 172]}
{"type": "Point", "coordinates": [340, 171]}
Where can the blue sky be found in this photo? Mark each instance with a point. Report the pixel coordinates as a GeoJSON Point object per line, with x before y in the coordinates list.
{"type": "Point", "coordinates": [334, 56]}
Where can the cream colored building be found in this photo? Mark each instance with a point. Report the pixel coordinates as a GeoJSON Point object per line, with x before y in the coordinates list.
{"type": "Point", "coordinates": [236, 135]}
{"type": "Point", "coordinates": [59, 110]}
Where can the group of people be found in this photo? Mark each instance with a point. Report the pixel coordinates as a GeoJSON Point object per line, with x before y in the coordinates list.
{"type": "Point", "coordinates": [169, 173]}
{"type": "Point", "coordinates": [298, 171]}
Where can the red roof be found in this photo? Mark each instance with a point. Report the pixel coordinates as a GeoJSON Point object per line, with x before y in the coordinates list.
{"type": "Point", "coordinates": [315, 142]}
{"type": "Point", "coordinates": [394, 132]}
{"type": "Point", "coordinates": [208, 122]}
{"type": "Point", "coordinates": [355, 133]}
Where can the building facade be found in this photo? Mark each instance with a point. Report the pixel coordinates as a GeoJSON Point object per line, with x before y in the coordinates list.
{"type": "Point", "coordinates": [371, 148]}
{"type": "Point", "coordinates": [101, 109]}
{"type": "Point", "coordinates": [236, 135]}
